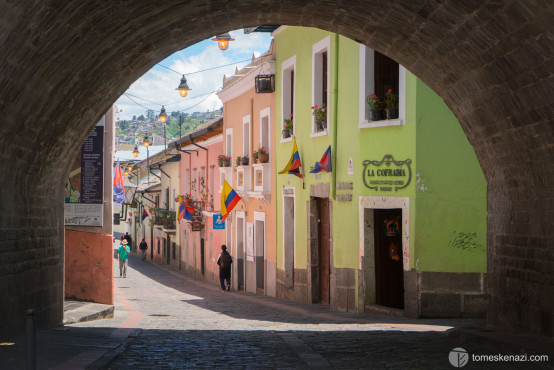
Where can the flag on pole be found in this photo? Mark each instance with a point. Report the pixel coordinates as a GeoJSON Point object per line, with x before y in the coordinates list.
{"type": "Point", "coordinates": [144, 214]}
{"type": "Point", "coordinates": [229, 199]}
{"type": "Point", "coordinates": [118, 188]}
{"type": "Point", "coordinates": [293, 167]}
{"type": "Point", "coordinates": [325, 162]}
{"type": "Point", "coordinates": [184, 212]}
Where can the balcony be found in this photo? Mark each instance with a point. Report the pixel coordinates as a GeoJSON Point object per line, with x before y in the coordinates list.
{"type": "Point", "coordinates": [165, 219]}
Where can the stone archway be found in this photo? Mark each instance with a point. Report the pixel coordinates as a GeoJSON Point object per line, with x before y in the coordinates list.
{"type": "Point", "coordinates": [64, 63]}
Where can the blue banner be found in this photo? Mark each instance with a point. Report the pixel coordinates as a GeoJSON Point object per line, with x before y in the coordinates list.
{"type": "Point", "coordinates": [218, 223]}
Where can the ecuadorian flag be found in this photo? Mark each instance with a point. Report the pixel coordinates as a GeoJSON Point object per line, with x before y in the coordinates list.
{"type": "Point", "coordinates": [293, 167]}
{"type": "Point", "coordinates": [229, 199]}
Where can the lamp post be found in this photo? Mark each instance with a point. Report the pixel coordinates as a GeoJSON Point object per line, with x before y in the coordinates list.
{"type": "Point", "coordinates": [146, 143]}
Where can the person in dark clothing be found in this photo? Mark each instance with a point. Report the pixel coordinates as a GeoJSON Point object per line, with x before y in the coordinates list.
{"type": "Point", "coordinates": [129, 239]}
{"type": "Point", "coordinates": [224, 261]}
{"type": "Point", "coordinates": [143, 247]}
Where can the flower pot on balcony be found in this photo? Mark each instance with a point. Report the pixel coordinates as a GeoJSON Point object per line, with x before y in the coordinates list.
{"type": "Point", "coordinates": [376, 115]}
{"type": "Point", "coordinates": [286, 133]}
{"type": "Point", "coordinates": [392, 113]}
{"type": "Point", "coordinates": [320, 125]}
{"type": "Point", "coordinates": [244, 161]}
{"type": "Point", "coordinates": [187, 201]}
{"type": "Point", "coordinates": [263, 158]}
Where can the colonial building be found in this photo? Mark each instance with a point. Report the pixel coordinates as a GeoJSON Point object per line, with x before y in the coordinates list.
{"type": "Point", "coordinates": [399, 221]}
{"type": "Point", "coordinates": [249, 114]}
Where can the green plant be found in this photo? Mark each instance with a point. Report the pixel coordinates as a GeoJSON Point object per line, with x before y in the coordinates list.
{"type": "Point", "coordinates": [374, 102]}
{"type": "Point", "coordinates": [238, 160]}
{"type": "Point", "coordinates": [320, 113]}
{"type": "Point", "coordinates": [288, 123]}
{"type": "Point", "coordinates": [391, 100]}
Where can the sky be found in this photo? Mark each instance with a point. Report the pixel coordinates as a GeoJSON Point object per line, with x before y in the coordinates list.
{"type": "Point", "coordinates": [158, 85]}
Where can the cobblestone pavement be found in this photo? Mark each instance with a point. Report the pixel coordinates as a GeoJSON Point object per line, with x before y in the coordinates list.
{"type": "Point", "coordinates": [186, 322]}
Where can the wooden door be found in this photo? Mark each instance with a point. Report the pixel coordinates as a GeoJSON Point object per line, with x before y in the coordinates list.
{"type": "Point", "coordinates": [324, 249]}
{"type": "Point", "coordinates": [389, 275]}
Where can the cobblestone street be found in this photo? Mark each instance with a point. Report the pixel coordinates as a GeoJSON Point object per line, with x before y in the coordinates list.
{"type": "Point", "coordinates": [186, 322]}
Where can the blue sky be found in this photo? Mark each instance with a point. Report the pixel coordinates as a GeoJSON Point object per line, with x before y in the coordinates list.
{"type": "Point", "coordinates": [158, 85]}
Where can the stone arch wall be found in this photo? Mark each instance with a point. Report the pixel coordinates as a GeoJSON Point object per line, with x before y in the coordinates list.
{"type": "Point", "coordinates": [64, 63]}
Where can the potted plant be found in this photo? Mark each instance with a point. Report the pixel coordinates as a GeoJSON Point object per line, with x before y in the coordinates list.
{"type": "Point", "coordinates": [184, 198]}
{"type": "Point", "coordinates": [320, 116]}
{"type": "Point", "coordinates": [255, 157]}
{"type": "Point", "coordinates": [287, 128]}
{"type": "Point", "coordinates": [238, 160]}
{"type": "Point", "coordinates": [262, 155]}
{"type": "Point", "coordinates": [223, 160]}
{"type": "Point", "coordinates": [391, 105]}
{"type": "Point", "coordinates": [375, 107]}
{"type": "Point", "coordinates": [244, 160]}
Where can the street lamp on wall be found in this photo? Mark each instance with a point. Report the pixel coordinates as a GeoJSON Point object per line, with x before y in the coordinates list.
{"type": "Point", "coordinates": [223, 41]}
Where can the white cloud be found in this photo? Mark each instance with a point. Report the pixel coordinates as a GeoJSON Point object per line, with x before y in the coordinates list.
{"type": "Point", "coordinates": [158, 85]}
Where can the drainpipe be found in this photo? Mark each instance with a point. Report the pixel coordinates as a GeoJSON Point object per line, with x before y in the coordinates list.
{"type": "Point", "coordinates": [335, 118]}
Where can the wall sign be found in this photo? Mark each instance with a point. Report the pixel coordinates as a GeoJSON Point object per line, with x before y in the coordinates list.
{"type": "Point", "coordinates": [387, 174]}
{"type": "Point", "coordinates": [217, 223]}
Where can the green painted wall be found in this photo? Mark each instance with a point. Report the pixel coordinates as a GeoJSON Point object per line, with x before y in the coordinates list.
{"type": "Point", "coordinates": [453, 204]}
{"type": "Point", "coordinates": [451, 223]}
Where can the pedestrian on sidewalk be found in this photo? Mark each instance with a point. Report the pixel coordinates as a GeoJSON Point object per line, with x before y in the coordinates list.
{"type": "Point", "coordinates": [224, 261]}
{"type": "Point", "coordinates": [123, 256]}
{"type": "Point", "coordinates": [143, 247]}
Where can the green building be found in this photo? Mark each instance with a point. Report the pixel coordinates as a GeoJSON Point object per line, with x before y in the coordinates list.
{"type": "Point", "coordinates": [400, 221]}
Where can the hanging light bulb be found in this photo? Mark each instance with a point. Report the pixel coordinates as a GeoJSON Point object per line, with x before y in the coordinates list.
{"type": "Point", "coordinates": [183, 87]}
{"type": "Point", "coordinates": [163, 115]}
{"type": "Point", "coordinates": [146, 141]}
{"type": "Point", "coordinates": [136, 152]}
{"type": "Point", "coordinates": [223, 41]}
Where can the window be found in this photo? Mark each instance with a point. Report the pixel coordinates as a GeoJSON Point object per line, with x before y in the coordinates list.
{"type": "Point", "coordinates": [378, 74]}
{"type": "Point", "coordinates": [246, 136]}
{"type": "Point", "coordinates": [229, 143]}
{"type": "Point", "coordinates": [288, 87]}
{"type": "Point", "coordinates": [194, 181]}
{"type": "Point", "coordinates": [320, 81]}
{"type": "Point", "coordinates": [265, 125]}
{"type": "Point", "coordinates": [187, 181]}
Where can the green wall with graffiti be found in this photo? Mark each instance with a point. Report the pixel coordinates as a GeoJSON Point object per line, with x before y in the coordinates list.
{"type": "Point", "coordinates": [451, 218]}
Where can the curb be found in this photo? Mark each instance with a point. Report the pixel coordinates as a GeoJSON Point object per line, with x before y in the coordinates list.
{"type": "Point", "coordinates": [83, 314]}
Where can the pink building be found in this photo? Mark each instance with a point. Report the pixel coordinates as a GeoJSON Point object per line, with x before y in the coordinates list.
{"type": "Point", "coordinates": [199, 174]}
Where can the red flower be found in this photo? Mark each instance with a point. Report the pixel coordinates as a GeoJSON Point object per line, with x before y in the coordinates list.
{"type": "Point", "coordinates": [313, 107]}
{"type": "Point", "coordinates": [388, 92]}
{"type": "Point", "coordinates": [291, 115]}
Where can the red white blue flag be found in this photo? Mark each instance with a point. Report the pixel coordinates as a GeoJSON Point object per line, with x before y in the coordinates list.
{"type": "Point", "coordinates": [118, 188]}
{"type": "Point", "coordinates": [325, 163]}
{"type": "Point", "coordinates": [144, 214]}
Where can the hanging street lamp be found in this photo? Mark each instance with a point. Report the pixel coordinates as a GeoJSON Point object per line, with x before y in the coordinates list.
{"type": "Point", "coordinates": [163, 115]}
{"type": "Point", "coordinates": [183, 87]}
{"type": "Point", "coordinates": [136, 152]}
{"type": "Point", "coordinates": [223, 41]}
{"type": "Point", "coordinates": [146, 142]}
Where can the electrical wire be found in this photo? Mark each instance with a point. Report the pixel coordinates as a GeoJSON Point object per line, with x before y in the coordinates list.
{"type": "Point", "coordinates": [204, 70]}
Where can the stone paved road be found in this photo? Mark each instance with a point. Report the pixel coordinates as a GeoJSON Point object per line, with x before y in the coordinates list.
{"type": "Point", "coordinates": [189, 323]}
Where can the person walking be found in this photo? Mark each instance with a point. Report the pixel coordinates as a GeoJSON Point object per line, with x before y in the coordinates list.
{"type": "Point", "coordinates": [129, 240]}
{"type": "Point", "coordinates": [143, 247]}
{"type": "Point", "coordinates": [224, 261]}
{"type": "Point", "coordinates": [123, 256]}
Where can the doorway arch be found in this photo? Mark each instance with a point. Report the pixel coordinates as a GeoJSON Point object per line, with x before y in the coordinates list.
{"type": "Point", "coordinates": [62, 67]}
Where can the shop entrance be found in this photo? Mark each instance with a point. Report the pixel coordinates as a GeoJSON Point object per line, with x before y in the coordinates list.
{"type": "Point", "coordinates": [389, 277]}
{"type": "Point", "coordinates": [324, 252]}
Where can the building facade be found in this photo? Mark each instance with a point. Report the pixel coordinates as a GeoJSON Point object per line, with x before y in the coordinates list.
{"type": "Point", "coordinates": [400, 221]}
{"type": "Point", "coordinates": [249, 114]}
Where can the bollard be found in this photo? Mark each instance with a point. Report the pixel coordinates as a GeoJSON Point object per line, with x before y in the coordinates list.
{"type": "Point", "coordinates": [30, 348]}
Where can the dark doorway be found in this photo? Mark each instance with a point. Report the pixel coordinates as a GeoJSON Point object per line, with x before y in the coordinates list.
{"type": "Point", "coordinates": [202, 256]}
{"type": "Point", "coordinates": [324, 252]}
{"type": "Point", "coordinates": [167, 250]}
{"type": "Point", "coordinates": [389, 276]}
